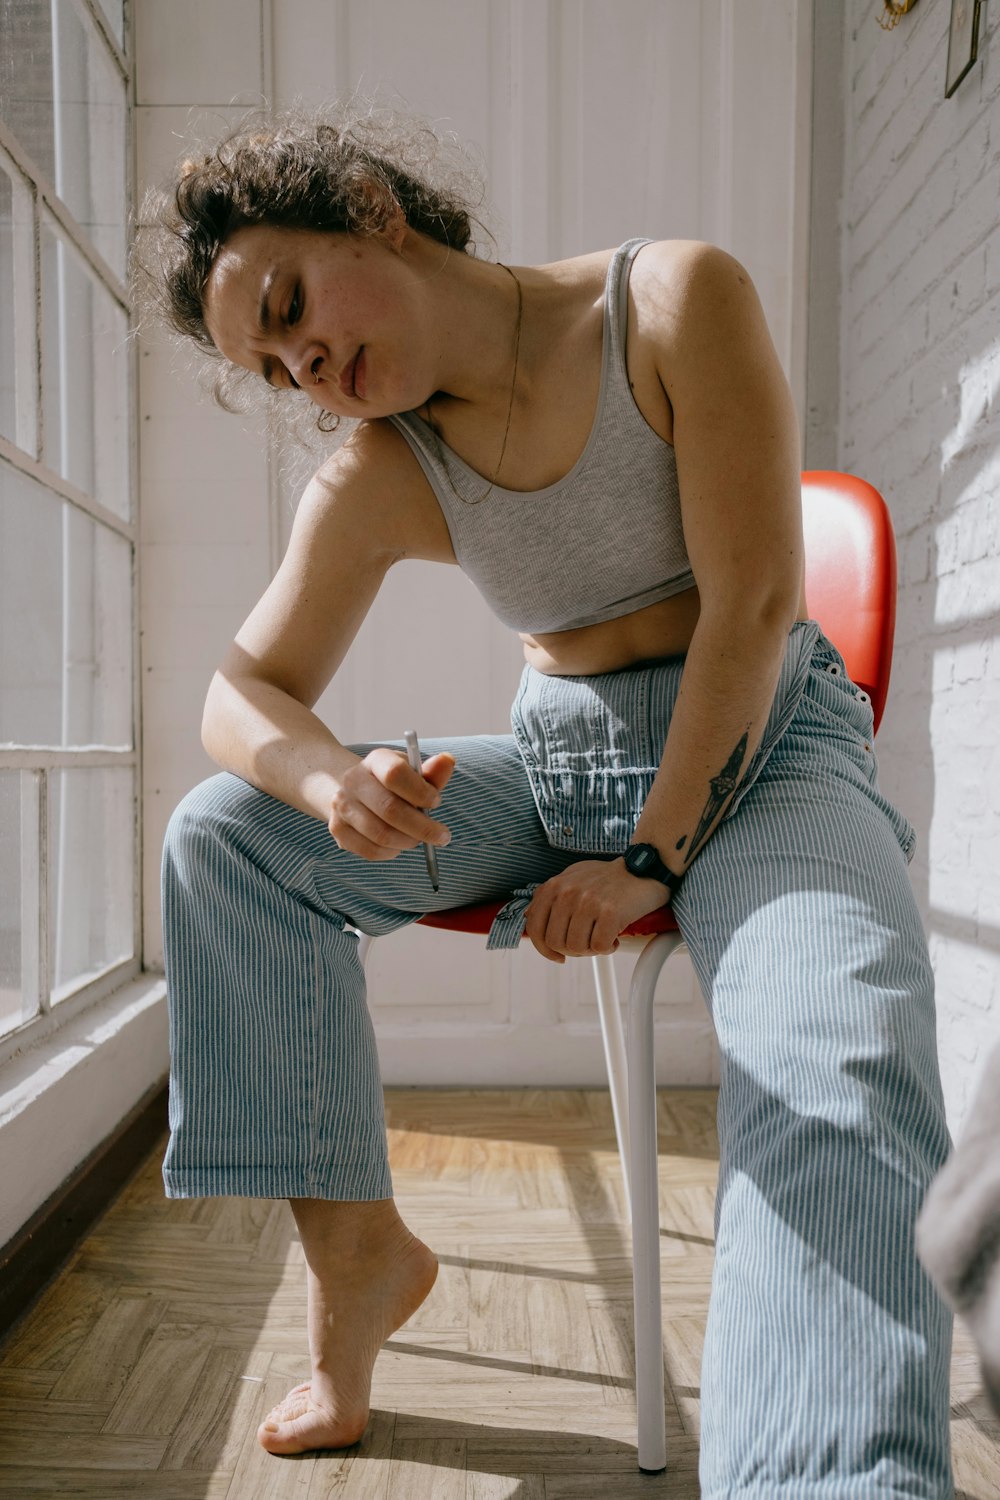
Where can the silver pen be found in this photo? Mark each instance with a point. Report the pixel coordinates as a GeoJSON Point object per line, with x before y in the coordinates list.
{"type": "Point", "coordinates": [413, 756]}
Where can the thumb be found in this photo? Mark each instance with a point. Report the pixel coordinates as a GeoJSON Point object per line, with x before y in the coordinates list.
{"type": "Point", "coordinates": [437, 769]}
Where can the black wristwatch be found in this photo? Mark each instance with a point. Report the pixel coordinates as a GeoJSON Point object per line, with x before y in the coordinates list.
{"type": "Point", "coordinates": [644, 860]}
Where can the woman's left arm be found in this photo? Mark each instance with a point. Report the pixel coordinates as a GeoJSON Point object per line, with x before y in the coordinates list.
{"type": "Point", "coordinates": [738, 464]}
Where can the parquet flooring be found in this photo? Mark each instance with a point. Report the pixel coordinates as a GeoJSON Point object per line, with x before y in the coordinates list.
{"type": "Point", "coordinates": [144, 1370]}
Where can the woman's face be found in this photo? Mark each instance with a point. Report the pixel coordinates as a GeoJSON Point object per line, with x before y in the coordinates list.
{"type": "Point", "coordinates": [335, 315]}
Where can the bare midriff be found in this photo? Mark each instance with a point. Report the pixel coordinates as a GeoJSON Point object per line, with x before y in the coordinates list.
{"type": "Point", "coordinates": [662, 629]}
{"type": "Point", "coordinates": [659, 630]}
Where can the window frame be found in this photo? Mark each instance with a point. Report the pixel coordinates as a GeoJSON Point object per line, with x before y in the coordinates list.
{"type": "Point", "coordinates": [36, 763]}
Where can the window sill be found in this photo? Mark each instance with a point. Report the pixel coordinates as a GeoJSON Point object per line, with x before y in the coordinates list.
{"type": "Point", "coordinates": [60, 1099]}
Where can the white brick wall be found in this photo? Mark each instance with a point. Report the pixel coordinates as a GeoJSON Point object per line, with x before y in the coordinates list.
{"type": "Point", "coordinates": [920, 418]}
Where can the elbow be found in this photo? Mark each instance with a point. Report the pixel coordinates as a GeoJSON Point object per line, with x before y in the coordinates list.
{"type": "Point", "coordinates": [754, 613]}
{"type": "Point", "coordinates": [210, 722]}
{"type": "Point", "coordinates": [778, 611]}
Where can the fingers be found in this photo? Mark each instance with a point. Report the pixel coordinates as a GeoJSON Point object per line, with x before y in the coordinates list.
{"type": "Point", "coordinates": [567, 918]}
{"type": "Point", "coordinates": [362, 830]}
{"type": "Point", "coordinates": [558, 933]}
{"type": "Point", "coordinates": [542, 947]}
{"type": "Point", "coordinates": [391, 769]}
{"type": "Point", "coordinates": [437, 769]}
{"type": "Point", "coordinates": [381, 805]}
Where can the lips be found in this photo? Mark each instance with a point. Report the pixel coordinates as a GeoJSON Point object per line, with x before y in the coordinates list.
{"type": "Point", "coordinates": [352, 377]}
{"type": "Point", "coordinates": [346, 377]}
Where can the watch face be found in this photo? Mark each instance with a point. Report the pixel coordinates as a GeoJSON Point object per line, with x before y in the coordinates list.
{"type": "Point", "coordinates": [642, 858]}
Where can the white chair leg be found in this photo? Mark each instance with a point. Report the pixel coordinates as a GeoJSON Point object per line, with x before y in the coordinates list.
{"type": "Point", "coordinates": [646, 1203]}
{"type": "Point", "coordinates": [633, 1102]}
{"type": "Point", "coordinates": [613, 1034]}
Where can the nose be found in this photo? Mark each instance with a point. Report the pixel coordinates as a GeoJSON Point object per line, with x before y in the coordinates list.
{"type": "Point", "coordinates": [306, 364]}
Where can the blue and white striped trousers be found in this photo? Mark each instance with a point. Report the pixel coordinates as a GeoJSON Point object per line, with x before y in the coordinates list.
{"type": "Point", "coordinates": [826, 1360]}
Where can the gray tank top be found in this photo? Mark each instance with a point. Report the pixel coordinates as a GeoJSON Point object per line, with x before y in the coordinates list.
{"type": "Point", "coordinates": [603, 541]}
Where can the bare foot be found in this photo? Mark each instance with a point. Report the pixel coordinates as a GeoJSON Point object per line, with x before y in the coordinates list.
{"type": "Point", "coordinates": [357, 1298]}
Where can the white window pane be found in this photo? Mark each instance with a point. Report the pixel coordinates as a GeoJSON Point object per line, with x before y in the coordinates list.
{"type": "Point", "coordinates": [89, 113]}
{"type": "Point", "coordinates": [91, 873]}
{"type": "Point", "coordinates": [65, 622]}
{"type": "Point", "coordinates": [115, 12]}
{"type": "Point", "coordinates": [18, 355]}
{"type": "Point", "coordinates": [64, 98]}
{"type": "Point", "coordinates": [84, 376]}
{"type": "Point", "coordinates": [26, 77]}
{"type": "Point", "coordinates": [8, 361]}
{"type": "Point", "coordinates": [10, 900]}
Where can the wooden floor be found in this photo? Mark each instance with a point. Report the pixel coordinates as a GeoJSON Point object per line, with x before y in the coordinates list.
{"type": "Point", "coordinates": [145, 1369]}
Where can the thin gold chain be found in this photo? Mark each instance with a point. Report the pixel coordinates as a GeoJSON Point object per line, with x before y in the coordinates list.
{"type": "Point", "coordinates": [510, 407]}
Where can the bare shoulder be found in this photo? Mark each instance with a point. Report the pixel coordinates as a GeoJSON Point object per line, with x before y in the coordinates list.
{"type": "Point", "coordinates": [735, 430]}
{"type": "Point", "coordinates": [361, 512]}
{"type": "Point", "coordinates": [691, 296]}
{"type": "Point", "coordinates": [373, 483]}
{"type": "Point", "coordinates": [681, 266]}
{"type": "Point", "coordinates": [669, 259]}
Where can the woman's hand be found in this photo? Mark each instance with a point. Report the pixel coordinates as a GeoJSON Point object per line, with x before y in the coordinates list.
{"type": "Point", "coordinates": [376, 810]}
{"type": "Point", "coordinates": [583, 910]}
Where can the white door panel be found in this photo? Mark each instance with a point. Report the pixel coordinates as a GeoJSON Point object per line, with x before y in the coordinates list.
{"type": "Point", "coordinates": [594, 120]}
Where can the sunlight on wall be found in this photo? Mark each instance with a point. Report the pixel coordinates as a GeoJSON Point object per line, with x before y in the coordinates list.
{"type": "Point", "coordinates": [978, 382]}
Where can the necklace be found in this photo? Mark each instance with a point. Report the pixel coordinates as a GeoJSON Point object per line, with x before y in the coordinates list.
{"type": "Point", "coordinates": [510, 407]}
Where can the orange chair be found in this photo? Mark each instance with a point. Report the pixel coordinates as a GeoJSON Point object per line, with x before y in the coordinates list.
{"type": "Point", "coordinates": [851, 591]}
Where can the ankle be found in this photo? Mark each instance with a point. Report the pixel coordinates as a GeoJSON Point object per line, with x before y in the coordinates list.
{"type": "Point", "coordinates": [343, 1232]}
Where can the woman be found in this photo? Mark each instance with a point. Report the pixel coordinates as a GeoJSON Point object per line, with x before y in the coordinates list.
{"type": "Point", "coordinates": [608, 446]}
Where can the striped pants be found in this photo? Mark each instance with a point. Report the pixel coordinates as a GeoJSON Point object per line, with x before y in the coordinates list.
{"type": "Point", "coordinates": [826, 1360]}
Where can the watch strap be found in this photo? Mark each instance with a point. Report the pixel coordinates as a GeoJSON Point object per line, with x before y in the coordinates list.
{"type": "Point", "coordinates": [655, 868]}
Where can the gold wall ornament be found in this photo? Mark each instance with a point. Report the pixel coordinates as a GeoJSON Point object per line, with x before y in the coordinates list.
{"type": "Point", "coordinates": [893, 12]}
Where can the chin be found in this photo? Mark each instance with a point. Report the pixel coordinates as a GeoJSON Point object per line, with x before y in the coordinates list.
{"type": "Point", "coordinates": [392, 405]}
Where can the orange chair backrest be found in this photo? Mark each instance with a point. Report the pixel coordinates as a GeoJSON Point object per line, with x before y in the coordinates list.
{"type": "Point", "coordinates": [851, 574]}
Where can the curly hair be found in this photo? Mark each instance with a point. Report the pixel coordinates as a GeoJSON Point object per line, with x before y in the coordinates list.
{"type": "Point", "coordinates": [302, 171]}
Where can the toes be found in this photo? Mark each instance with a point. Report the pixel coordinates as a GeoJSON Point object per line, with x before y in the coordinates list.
{"type": "Point", "coordinates": [295, 1404]}
{"type": "Point", "coordinates": [290, 1407]}
{"type": "Point", "coordinates": [300, 1434]}
{"type": "Point", "coordinates": [296, 1425]}
{"type": "Point", "coordinates": [291, 1436]}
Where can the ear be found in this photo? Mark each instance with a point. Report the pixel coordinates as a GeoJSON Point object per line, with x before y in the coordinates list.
{"type": "Point", "coordinates": [395, 228]}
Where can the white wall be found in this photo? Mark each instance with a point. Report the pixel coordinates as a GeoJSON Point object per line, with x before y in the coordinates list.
{"type": "Point", "coordinates": [597, 120]}
{"type": "Point", "coordinates": [920, 418]}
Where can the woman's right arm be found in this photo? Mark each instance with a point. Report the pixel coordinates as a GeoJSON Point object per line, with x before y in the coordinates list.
{"type": "Point", "coordinates": [352, 524]}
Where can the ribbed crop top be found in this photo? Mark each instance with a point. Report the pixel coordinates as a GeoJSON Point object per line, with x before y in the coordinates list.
{"type": "Point", "coordinates": [603, 541]}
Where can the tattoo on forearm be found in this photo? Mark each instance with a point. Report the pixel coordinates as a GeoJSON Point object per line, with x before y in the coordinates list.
{"type": "Point", "coordinates": [723, 787]}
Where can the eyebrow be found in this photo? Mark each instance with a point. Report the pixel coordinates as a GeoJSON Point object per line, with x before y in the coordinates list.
{"type": "Point", "coordinates": [264, 319]}
{"type": "Point", "coordinates": [264, 311]}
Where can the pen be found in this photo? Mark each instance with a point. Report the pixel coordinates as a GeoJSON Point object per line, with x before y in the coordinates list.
{"type": "Point", "coordinates": [413, 756]}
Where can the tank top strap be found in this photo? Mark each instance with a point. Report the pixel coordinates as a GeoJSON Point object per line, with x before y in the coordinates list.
{"type": "Point", "coordinates": [616, 302]}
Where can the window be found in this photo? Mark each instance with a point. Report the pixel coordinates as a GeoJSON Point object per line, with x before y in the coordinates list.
{"type": "Point", "coordinates": [68, 764]}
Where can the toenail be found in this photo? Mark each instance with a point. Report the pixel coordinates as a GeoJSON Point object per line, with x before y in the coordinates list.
{"type": "Point", "coordinates": [270, 1426]}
